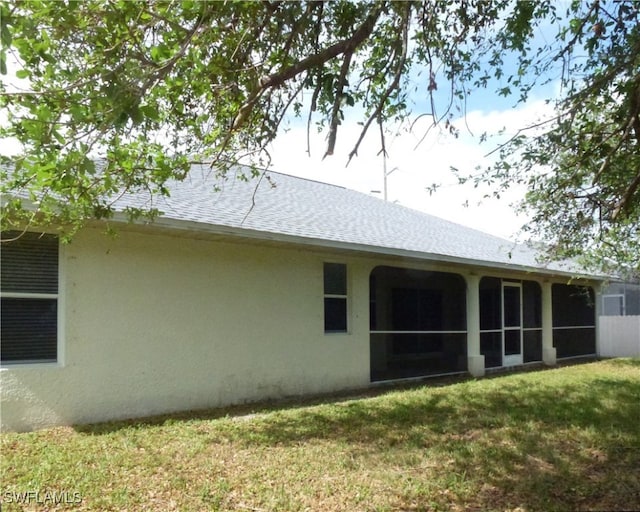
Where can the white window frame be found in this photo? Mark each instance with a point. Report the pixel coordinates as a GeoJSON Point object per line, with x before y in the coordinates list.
{"type": "Point", "coordinates": [337, 296]}
{"type": "Point", "coordinates": [60, 353]}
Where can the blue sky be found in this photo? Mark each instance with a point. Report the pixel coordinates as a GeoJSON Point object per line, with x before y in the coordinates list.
{"type": "Point", "coordinates": [416, 169]}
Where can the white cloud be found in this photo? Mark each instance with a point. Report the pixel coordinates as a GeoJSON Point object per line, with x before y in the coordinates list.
{"type": "Point", "coordinates": [418, 168]}
{"type": "Point", "coordinates": [414, 170]}
{"type": "Point", "coordinates": [10, 146]}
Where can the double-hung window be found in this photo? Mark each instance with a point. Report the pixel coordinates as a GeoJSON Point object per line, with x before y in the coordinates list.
{"type": "Point", "coordinates": [28, 297]}
{"type": "Point", "coordinates": [335, 297]}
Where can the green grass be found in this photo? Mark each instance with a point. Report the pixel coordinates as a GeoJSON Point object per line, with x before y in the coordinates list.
{"type": "Point", "coordinates": [562, 439]}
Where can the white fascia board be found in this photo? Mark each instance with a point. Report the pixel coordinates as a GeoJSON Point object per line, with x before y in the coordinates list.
{"type": "Point", "coordinates": [215, 229]}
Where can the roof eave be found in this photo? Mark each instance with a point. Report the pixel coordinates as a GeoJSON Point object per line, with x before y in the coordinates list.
{"type": "Point", "coordinates": [222, 230]}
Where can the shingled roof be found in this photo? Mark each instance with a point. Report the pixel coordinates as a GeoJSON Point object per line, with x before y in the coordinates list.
{"type": "Point", "coordinates": [291, 209]}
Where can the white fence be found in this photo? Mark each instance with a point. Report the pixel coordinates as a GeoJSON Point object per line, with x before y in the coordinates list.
{"type": "Point", "coordinates": [619, 336]}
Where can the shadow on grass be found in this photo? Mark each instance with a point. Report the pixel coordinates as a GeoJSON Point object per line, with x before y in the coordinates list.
{"type": "Point", "coordinates": [570, 445]}
{"type": "Point", "coordinates": [606, 405]}
{"type": "Point", "coordinates": [251, 409]}
{"type": "Point", "coordinates": [626, 361]}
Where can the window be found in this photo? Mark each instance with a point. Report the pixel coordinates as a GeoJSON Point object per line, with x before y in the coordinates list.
{"type": "Point", "coordinates": [613, 305]}
{"type": "Point", "coordinates": [621, 299]}
{"type": "Point", "coordinates": [335, 297]}
{"type": "Point", "coordinates": [29, 298]}
{"type": "Point", "coordinates": [574, 331]}
{"type": "Point", "coordinates": [420, 325]}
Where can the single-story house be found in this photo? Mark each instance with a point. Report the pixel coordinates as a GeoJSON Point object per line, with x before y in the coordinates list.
{"type": "Point", "coordinates": [267, 289]}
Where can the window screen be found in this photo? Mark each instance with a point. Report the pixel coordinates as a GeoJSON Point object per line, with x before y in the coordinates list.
{"type": "Point", "coordinates": [574, 332]}
{"type": "Point", "coordinates": [29, 297]}
{"type": "Point", "coordinates": [532, 305]}
{"type": "Point", "coordinates": [490, 303]}
{"type": "Point", "coordinates": [573, 306]}
{"type": "Point", "coordinates": [420, 323]}
{"type": "Point", "coordinates": [613, 305]}
{"type": "Point", "coordinates": [335, 297]}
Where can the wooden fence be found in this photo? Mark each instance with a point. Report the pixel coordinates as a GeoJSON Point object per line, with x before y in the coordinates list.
{"type": "Point", "coordinates": [619, 336]}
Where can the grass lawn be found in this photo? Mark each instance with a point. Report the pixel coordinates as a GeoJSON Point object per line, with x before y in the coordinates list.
{"type": "Point", "coordinates": [561, 439]}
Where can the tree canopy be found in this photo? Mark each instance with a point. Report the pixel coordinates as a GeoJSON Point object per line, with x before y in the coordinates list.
{"type": "Point", "coordinates": [152, 86]}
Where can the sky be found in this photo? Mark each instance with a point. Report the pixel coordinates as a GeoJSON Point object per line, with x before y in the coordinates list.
{"type": "Point", "coordinates": [414, 167]}
{"type": "Point", "coordinates": [411, 170]}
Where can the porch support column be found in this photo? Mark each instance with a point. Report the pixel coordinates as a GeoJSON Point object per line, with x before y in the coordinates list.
{"type": "Point", "coordinates": [475, 361]}
{"type": "Point", "coordinates": [548, 350]}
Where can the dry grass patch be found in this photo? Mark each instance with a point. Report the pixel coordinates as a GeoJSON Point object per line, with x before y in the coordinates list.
{"type": "Point", "coordinates": [563, 439]}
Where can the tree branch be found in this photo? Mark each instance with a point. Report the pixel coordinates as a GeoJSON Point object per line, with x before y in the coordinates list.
{"type": "Point", "coordinates": [337, 101]}
{"type": "Point", "coordinates": [625, 201]}
{"type": "Point", "coordinates": [569, 46]}
{"type": "Point", "coordinates": [315, 60]}
{"type": "Point", "coordinates": [634, 102]}
{"type": "Point", "coordinates": [165, 69]}
{"type": "Point", "coordinates": [392, 87]}
{"type": "Point", "coordinates": [312, 108]}
{"type": "Point", "coordinates": [346, 45]}
{"type": "Point", "coordinates": [383, 145]}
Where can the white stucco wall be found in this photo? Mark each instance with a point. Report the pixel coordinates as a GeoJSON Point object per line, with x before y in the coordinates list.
{"type": "Point", "coordinates": [153, 323]}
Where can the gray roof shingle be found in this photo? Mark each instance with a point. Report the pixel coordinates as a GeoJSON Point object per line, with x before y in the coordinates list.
{"type": "Point", "coordinates": [286, 207]}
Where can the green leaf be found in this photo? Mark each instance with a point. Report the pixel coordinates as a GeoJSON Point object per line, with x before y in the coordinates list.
{"type": "Point", "coordinates": [58, 136]}
{"type": "Point", "coordinates": [135, 114]}
{"type": "Point", "coordinates": [5, 32]}
{"type": "Point", "coordinates": [150, 112]}
{"type": "Point", "coordinates": [113, 71]}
